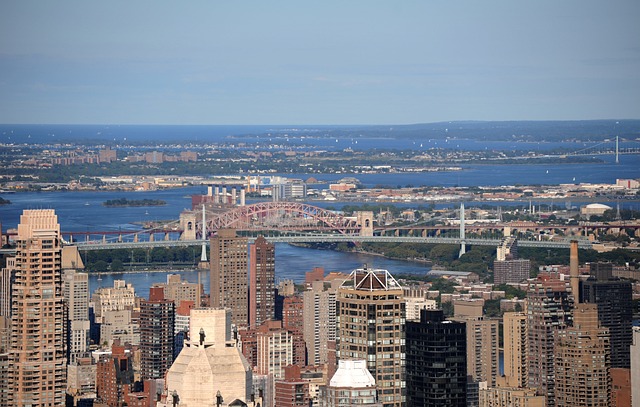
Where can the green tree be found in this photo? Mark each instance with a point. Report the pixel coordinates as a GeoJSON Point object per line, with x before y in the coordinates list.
{"type": "Point", "coordinates": [101, 266]}
{"type": "Point", "coordinates": [117, 265]}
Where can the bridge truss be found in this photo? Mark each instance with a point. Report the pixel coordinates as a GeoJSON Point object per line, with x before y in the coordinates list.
{"type": "Point", "coordinates": [281, 216]}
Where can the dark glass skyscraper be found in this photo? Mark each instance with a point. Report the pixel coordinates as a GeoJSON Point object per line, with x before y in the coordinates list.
{"type": "Point", "coordinates": [613, 297]}
{"type": "Point", "coordinates": [157, 317]}
{"type": "Point", "coordinates": [436, 361]}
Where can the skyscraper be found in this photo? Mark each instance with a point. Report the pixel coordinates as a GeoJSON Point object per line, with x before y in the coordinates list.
{"type": "Point", "coordinates": [262, 275]}
{"type": "Point", "coordinates": [229, 281]}
{"type": "Point", "coordinates": [436, 361]}
{"type": "Point", "coordinates": [38, 349]}
{"type": "Point", "coordinates": [482, 349]}
{"type": "Point", "coordinates": [582, 361]}
{"type": "Point", "coordinates": [319, 319]}
{"type": "Point", "coordinates": [157, 316]}
{"type": "Point", "coordinates": [549, 307]}
{"type": "Point", "coordinates": [613, 297]}
{"type": "Point", "coordinates": [515, 349]}
{"type": "Point", "coordinates": [76, 298]}
{"type": "Point", "coordinates": [371, 326]}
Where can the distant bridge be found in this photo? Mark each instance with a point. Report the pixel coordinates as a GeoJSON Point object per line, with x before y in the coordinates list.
{"type": "Point", "coordinates": [607, 147]}
{"type": "Point", "coordinates": [326, 238]}
{"type": "Point", "coordinates": [294, 222]}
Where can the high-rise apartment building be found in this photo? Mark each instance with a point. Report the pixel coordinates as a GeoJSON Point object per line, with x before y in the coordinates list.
{"type": "Point", "coordinates": [582, 361]}
{"type": "Point", "coordinates": [115, 377]}
{"type": "Point", "coordinates": [613, 297]}
{"type": "Point", "coordinates": [549, 307]}
{"type": "Point", "coordinates": [371, 327]}
{"type": "Point", "coordinates": [293, 313]}
{"type": "Point", "coordinates": [511, 271]}
{"type": "Point", "coordinates": [6, 280]}
{"type": "Point", "coordinates": [482, 349]}
{"type": "Point", "coordinates": [276, 348]}
{"type": "Point", "coordinates": [262, 286]}
{"type": "Point", "coordinates": [76, 299]}
{"type": "Point", "coordinates": [436, 361]}
{"type": "Point", "coordinates": [515, 349]}
{"type": "Point", "coordinates": [37, 352]}
{"type": "Point", "coordinates": [229, 281]}
{"type": "Point", "coordinates": [157, 316]}
{"type": "Point", "coordinates": [319, 319]}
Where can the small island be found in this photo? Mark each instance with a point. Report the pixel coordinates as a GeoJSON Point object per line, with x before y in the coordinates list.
{"type": "Point", "coordinates": [135, 202]}
{"type": "Point", "coordinates": [4, 201]}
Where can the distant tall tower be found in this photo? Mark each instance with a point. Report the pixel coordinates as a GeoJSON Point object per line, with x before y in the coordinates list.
{"type": "Point", "coordinates": [371, 312]}
{"type": "Point", "coordinates": [549, 308]}
{"type": "Point", "coordinates": [262, 286]}
{"type": "Point", "coordinates": [436, 349]}
{"type": "Point", "coordinates": [157, 317]}
{"type": "Point", "coordinates": [37, 352]}
{"type": "Point", "coordinates": [229, 281]}
{"type": "Point", "coordinates": [582, 361]}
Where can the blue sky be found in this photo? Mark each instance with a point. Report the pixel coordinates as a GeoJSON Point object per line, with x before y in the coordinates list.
{"type": "Point", "coordinates": [331, 62]}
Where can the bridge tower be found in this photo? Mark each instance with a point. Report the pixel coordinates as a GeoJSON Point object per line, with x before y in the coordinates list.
{"type": "Point", "coordinates": [463, 249]}
{"type": "Point", "coordinates": [188, 225]}
{"type": "Point", "coordinates": [365, 221]}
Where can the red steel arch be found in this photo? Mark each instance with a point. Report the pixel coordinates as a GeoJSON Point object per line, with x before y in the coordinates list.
{"type": "Point", "coordinates": [281, 216]}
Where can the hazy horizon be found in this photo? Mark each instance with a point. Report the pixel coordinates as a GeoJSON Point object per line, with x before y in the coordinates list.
{"type": "Point", "coordinates": [330, 63]}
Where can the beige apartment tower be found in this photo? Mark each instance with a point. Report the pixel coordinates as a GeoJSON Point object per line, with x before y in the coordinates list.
{"type": "Point", "coordinates": [37, 375]}
{"type": "Point", "coordinates": [229, 279]}
{"type": "Point", "coordinates": [371, 327]}
{"type": "Point", "coordinates": [319, 316]}
{"type": "Point", "coordinates": [582, 361]}
{"type": "Point", "coordinates": [515, 349]}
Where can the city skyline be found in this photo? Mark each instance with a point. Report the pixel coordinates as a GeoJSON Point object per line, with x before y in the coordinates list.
{"type": "Point", "coordinates": [329, 63]}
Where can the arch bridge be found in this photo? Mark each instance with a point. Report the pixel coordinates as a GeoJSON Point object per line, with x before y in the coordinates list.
{"type": "Point", "coordinates": [277, 216]}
